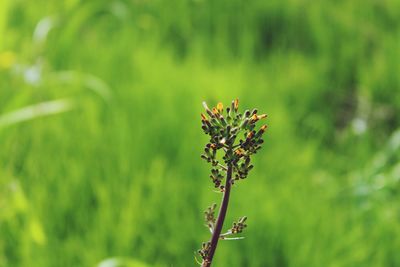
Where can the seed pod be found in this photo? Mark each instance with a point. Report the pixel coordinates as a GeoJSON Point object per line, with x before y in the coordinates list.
{"type": "Point", "coordinates": [215, 122]}
{"type": "Point", "coordinates": [261, 131]}
{"type": "Point", "coordinates": [232, 139]}
{"type": "Point", "coordinates": [222, 120]}
{"type": "Point", "coordinates": [207, 122]}
{"type": "Point", "coordinates": [244, 123]}
{"type": "Point", "coordinates": [207, 109]}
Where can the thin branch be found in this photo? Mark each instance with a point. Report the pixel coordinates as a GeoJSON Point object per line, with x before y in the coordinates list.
{"type": "Point", "coordinates": [226, 234]}
{"type": "Point", "coordinates": [237, 145]}
{"type": "Point", "coordinates": [232, 238]}
{"type": "Point", "coordinates": [223, 167]}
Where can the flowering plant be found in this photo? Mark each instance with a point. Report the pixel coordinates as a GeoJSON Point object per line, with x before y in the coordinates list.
{"type": "Point", "coordinates": [236, 136]}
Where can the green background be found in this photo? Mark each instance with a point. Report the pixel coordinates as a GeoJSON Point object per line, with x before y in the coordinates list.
{"type": "Point", "coordinates": [111, 168]}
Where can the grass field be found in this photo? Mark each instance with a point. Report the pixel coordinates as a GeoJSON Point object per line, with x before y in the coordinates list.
{"type": "Point", "coordinates": [100, 133]}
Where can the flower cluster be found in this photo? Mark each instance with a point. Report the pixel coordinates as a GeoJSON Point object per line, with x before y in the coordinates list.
{"type": "Point", "coordinates": [209, 217]}
{"type": "Point", "coordinates": [238, 137]}
{"type": "Point", "coordinates": [234, 133]}
{"type": "Point", "coordinates": [205, 248]}
{"type": "Point", "coordinates": [238, 227]}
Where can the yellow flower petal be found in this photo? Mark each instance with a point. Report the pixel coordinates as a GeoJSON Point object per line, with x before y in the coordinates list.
{"type": "Point", "coordinates": [236, 104]}
{"type": "Point", "coordinates": [262, 116]}
{"type": "Point", "coordinates": [220, 107]}
{"type": "Point", "coordinates": [263, 128]}
{"type": "Point", "coordinates": [254, 118]}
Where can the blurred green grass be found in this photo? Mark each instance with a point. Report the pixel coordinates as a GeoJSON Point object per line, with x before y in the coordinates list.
{"type": "Point", "coordinates": [119, 175]}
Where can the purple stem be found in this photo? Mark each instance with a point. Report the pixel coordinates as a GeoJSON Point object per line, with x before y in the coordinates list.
{"type": "Point", "coordinates": [221, 218]}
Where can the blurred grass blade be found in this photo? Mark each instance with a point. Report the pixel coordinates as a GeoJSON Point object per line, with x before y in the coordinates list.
{"type": "Point", "coordinates": [35, 111]}
{"type": "Point", "coordinates": [90, 81]}
{"type": "Point", "coordinates": [42, 29]}
{"type": "Point", "coordinates": [4, 7]}
{"type": "Point", "coordinates": [394, 142]}
{"type": "Point", "coordinates": [121, 262]}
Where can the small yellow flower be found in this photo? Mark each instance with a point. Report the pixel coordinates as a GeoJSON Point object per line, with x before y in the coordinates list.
{"type": "Point", "coordinates": [263, 128]}
{"type": "Point", "coordinates": [239, 151]}
{"type": "Point", "coordinates": [254, 118]}
{"type": "Point", "coordinates": [220, 107]}
{"type": "Point", "coordinates": [236, 104]}
{"type": "Point", "coordinates": [262, 116]}
{"type": "Point", "coordinates": [250, 135]}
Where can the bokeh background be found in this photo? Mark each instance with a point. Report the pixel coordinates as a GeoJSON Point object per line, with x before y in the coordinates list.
{"type": "Point", "coordinates": [100, 136]}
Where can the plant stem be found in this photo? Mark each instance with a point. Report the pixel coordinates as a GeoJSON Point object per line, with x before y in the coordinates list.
{"type": "Point", "coordinates": [221, 218]}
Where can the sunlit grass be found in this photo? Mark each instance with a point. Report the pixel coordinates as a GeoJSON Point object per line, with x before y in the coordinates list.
{"type": "Point", "coordinates": [100, 131]}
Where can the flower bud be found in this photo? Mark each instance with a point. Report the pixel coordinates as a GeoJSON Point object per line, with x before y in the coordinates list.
{"type": "Point", "coordinates": [261, 131]}
{"type": "Point", "coordinates": [250, 135]}
{"type": "Point", "coordinates": [254, 118]}
{"type": "Point", "coordinates": [207, 109]}
{"type": "Point", "coordinates": [223, 121]}
{"type": "Point", "coordinates": [236, 104]}
{"type": "Point", "coordinates": [244, 123]}
{"type": "Point", "coordinates": [239, 152]}
{"type": "Point", "coordinates": [220, 107]}
{"type": "Point", "coordinates": [262, 116]}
